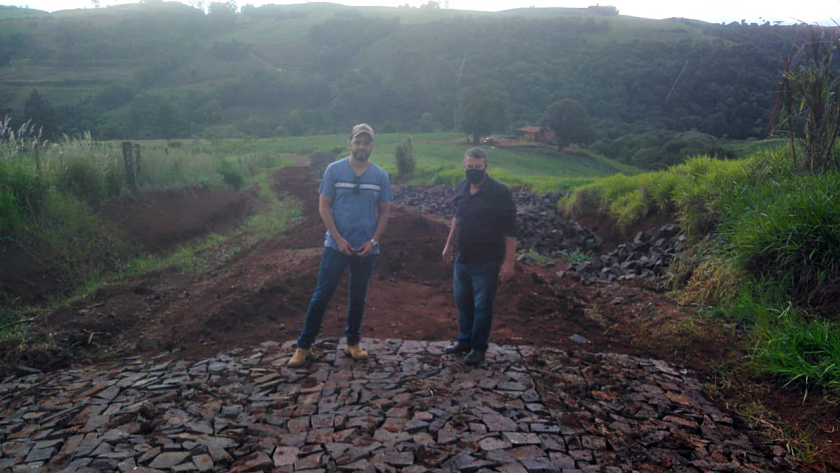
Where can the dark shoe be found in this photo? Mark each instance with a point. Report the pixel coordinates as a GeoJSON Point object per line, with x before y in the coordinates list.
{"type": "Point", "coordinates": [474, 358]}
{"type": "Point", "coordinates": [457, 349]}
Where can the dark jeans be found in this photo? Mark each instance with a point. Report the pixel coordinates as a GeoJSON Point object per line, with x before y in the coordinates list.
{"type": "Point", "coordinates": [332, 267]}
{"type": "Point", "coordinates": [475, 289]}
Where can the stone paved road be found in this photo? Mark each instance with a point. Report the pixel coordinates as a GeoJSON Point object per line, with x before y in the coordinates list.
{"type": "Point", "coordinates": [406, 409]}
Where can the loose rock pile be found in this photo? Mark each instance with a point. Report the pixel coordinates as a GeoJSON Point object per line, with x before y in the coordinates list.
{"type": "Point", "coordinates": [437, 199]}
{"type": "Point", "coordinates": [648, 256]}
{"type": "Point", "coordinates": [541, 228]}
{"type": "Point", "coordinates": [406, 409]}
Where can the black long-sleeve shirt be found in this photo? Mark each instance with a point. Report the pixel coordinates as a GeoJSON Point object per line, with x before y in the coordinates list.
{"type": "Point", "coordinates": [484, 219]}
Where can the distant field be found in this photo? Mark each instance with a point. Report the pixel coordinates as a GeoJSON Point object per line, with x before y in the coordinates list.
{"type": "Point", "coordinates": [438, 156]}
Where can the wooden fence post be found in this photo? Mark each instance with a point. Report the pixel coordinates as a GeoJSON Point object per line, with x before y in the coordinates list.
{"type": "Point", "coordinates": [128, 161]}
{"type": "Point", "coordinates": [137, 161]}
{"type": "Point", "coordinates": [38, 157]}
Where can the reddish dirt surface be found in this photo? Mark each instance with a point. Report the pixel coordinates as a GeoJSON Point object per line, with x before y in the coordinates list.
{"type": "Point", "coordinates": [261, 293]}
{"type": "Point", "coordinates": [160, 220]}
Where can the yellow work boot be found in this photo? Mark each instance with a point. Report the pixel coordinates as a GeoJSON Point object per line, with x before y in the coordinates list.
{"type": "Point", "coordinates": [299, 358]}
{"type": "Point", "coordinates": [356, 352]}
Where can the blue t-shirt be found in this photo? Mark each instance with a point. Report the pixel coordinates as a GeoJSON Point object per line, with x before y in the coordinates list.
{"type": "Point", "coordinates": [354, 200]}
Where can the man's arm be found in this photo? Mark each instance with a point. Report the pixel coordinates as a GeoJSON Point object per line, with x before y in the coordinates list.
{"type": "Point", "coordinates": [383, 214]}
{"type": "Point", "coordinates": [325, 209]}
{"type": "Point", "coordinates": [449, 248]}
{"type": "Point", "coordinates": [509, 230]}
{"type": "Point", "coordinates": [510, 257]}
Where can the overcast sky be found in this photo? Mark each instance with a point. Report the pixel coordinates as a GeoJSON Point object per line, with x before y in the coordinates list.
{"type": "Point", "coordinates": [715, 11]}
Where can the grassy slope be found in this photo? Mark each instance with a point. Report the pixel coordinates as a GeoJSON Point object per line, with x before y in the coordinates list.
{"type": "Point", "coordinates": [779, 255]}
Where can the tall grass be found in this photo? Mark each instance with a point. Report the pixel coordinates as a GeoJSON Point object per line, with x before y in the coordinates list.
{"type": "Point", "coordinates": [795, 348]}
{"type": "Point", "coordinates": [787, 230]}
{"type": "Point", "coordinates": [689, 192]}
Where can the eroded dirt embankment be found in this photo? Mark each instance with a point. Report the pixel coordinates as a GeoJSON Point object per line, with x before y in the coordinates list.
{"type": "Point", "coordinates": [152, 221]}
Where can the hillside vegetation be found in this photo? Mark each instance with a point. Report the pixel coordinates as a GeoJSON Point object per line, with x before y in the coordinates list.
{"type": "Point", "coordinates": [167, 70]}
{"type": "Point", "coordinates": [766, 251]}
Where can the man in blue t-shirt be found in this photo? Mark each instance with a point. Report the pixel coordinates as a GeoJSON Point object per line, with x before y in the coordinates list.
{"type": "Point", "coordinates": [355, 203]}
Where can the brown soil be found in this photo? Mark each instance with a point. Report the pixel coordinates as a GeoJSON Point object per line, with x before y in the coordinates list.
{"type": "Point", "coordinates": [160, 220]}
{"type": "Point", "coordinates": [155, 221]}
{"type": "Point", "coordinates": [261, 293]}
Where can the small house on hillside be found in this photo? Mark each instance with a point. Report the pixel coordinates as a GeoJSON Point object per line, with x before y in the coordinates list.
{"type": "Point", "coordinates": [529, 132]}
{"type": "Point", "coordinates": [536, 133]}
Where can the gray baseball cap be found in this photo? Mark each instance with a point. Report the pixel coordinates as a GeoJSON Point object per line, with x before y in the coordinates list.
{"type": "Point", "coordinates": [361, 128]}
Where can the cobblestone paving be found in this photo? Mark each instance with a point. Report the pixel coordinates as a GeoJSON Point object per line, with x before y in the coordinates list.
{"type": "Point", "coordinates": [406, 409]}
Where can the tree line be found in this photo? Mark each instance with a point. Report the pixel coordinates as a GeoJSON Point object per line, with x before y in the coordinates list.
{"type": "Point", "coordinates": [197, 74]}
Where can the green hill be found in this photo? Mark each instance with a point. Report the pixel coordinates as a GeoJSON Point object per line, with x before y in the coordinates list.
{"type": "Point", "coordinates": [166, 70]}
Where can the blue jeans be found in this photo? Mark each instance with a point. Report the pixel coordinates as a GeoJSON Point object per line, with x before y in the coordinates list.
{"type": "Point", "coordinates": [332, 267]}
{"type": "Point", "coordinates": [475, 289]}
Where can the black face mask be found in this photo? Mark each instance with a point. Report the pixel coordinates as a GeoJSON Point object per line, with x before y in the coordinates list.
{"type": "Point", "coordinates": [475, 176]}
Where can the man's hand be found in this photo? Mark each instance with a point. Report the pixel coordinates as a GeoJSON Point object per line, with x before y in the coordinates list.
{"type": "Point", "coordinates": [344, 246]}
{"type": "Point", "coordinates": [365, 250]}
{"type": "Point", "coordinates": [506, 272]}
{"type": "Point", "coordinates": [448, 255]}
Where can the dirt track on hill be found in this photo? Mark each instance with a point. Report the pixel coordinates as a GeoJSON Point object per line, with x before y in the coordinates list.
{"type": "Point", "coordinates": [261, 293]}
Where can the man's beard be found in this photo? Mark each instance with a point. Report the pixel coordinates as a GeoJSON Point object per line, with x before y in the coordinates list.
{"type": "Point", "coordinates": [361, 156]}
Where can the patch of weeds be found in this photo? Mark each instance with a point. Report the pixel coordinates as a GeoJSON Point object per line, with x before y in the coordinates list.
{"type": "Point", "coordinates": [795, 348]}
{"type": "Point", "coordinates": [534, 256]}
{"type": "Point", "coordinates": [713, 281]}
{"type": "Point", "coordinates": [577, 256]}
{"type": "Point", "coordinates": [743, 397]}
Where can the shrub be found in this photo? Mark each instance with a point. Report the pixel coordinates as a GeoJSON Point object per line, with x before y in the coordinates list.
{"type": "Point", "coordinates": [28, 189]}
{"type": "Point", "coordinates": [9, 213]}
{"type": "Point", "coordinates": [404, 154]}
{"type": "Point", "coordinates": [231, 176]}
{"type": "Point", "coordinates": [807, 105]}
{"type": "Point", "coordinates": [115, 180]}
{"type": "Point", "coordinates": [82, 179]}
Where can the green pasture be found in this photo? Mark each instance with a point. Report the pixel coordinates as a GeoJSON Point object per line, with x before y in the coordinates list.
{"type": "Point", "coordinates": [439, 157]}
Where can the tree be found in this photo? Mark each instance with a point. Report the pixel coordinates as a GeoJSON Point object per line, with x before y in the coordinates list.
{"type": "Point", "coordinates": [404, 155]}
{"type": "Point", "coordinates": [427, 123]}
{"type": "Point", "coordinates": [808, 102]}
{"type": "Point", "coordinates": [41, 112]}
{"type": "Point", "coordinates": [482, 110]}
{"type": "Point", "coordinates": [294, 123]}
{"type": "Point", "coordinates": [222, 14]}
{"type": "Point", "coordinates": [569, 121]}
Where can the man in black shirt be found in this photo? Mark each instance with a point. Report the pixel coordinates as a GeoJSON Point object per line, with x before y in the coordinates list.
{"type": "Point", "coordinates": [484, 231]}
